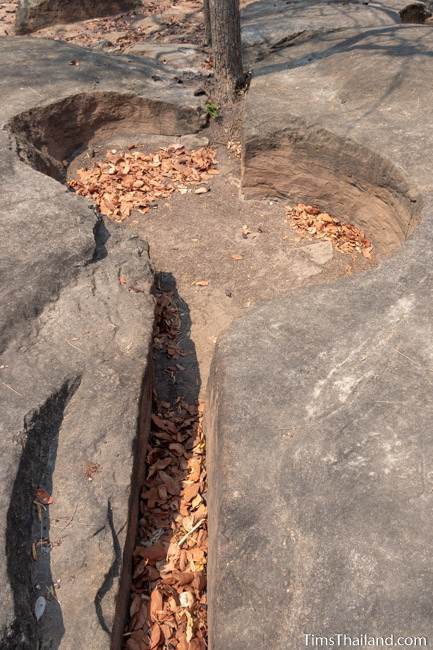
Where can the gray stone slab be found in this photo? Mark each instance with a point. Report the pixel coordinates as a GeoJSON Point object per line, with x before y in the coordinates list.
{"type": "Point", "coordinates": [185, 57]}
{"type": "Point", "coordinates": [74, 342]}
{"type": "Point", "coordinates": [274, 24]}
{"type": "Point", "coordinates": [38, 71]}
{"type": "Point", "coordinates": [319, 403]}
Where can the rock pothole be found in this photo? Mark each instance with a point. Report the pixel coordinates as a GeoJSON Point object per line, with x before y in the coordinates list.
{"type": "Point", "coordinates": [49, 137]}
{"type": "Point", "coordinates": [297, 161]}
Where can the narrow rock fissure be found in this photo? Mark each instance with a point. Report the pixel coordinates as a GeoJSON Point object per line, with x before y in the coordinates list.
{"type": "Point", "coordinates": [167, 600]}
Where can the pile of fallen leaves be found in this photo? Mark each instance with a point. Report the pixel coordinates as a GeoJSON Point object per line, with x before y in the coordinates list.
{"type": "Point", "coordinates": [176, 21]}
{"type": "Point", "coordinates": [168, 607]}
{"type": "Point", "coordinates": [130, 180]}
{"type": "Point", "coordinates": [347, 238]}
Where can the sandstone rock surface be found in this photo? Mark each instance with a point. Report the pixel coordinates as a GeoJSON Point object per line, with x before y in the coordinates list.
{"type": "Point", "coordinates": [272, 25]}
{"type": "Point", "coordinates": [75, 329]}
{"type": "Point", "coordinates": [185, 57]}
{"type": "Point", "coordinates": [320, 404]}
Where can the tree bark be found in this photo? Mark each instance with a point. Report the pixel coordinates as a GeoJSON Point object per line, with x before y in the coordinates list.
{"type": "Point", "coordinates": [226, 45]}
{"type": "Point", "coordinates": [207, 27]}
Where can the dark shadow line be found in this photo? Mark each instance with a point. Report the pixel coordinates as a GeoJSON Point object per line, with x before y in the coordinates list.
{"type": "Point", "coordinates": [36, 468]}
{"type": "Point", "coordinates": [112, 573]}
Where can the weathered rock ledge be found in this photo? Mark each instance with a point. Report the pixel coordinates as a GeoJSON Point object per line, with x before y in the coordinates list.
{"type": "Point", "coordinates": [274, 25]}
{"type": "Point", "coordinates": [74, 342]}
{"type": "Point", "coordinates": [319, 409]}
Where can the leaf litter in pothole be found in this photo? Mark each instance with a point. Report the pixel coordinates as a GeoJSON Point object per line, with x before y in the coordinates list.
{"type": "Point", "coordinates": [127, 180]}
{"type": "Point", "coordinates": [311, 222]}
{"type": "Point", "coordinates": [168, 603]}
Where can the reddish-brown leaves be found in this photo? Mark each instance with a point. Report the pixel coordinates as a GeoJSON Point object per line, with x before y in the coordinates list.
{"type": "Point", "coordinates": [156, 603]}
{"type": "Point", "coordinates": [155, 637]}
{"type": "Point", "coordinates": [151, 553]}
{"type": "Point", "coordinates": [168, 599]}
{"type": "Point", "coordinates": [346, 237]}
{"type": "Point", "coordinates": [190, 491]}
{"type": "Point", "coordinates": [165, 425]}
{"type": "Point", "coordinates": [125, 181]}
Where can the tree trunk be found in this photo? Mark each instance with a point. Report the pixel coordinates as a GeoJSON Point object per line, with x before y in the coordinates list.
{"type": "Point", "coordinates": [226, 45]}
{"type": "Point", "coordinates": [207, 27]}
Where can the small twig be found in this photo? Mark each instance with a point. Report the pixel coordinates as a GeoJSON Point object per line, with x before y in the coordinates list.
{"type": "Point", "coordinates": [194, 528]}
{"type": "Point", "coordinates": [40, 509]}
{"type": "Point", "coordinates": [70, 520]}
{"type": "Point", "coordinates": [74, 346]}
{"type": "Point", "coordinates": [12, 389]}
{"type": "Point", "coordinates": [408, 358]}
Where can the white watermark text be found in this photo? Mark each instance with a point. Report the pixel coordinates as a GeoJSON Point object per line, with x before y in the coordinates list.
{"type": "Point", "coordinates": [364, 641]}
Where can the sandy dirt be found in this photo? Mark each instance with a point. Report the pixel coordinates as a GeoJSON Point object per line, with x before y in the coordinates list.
{"type": "Point", "coordinates": [243, 251]}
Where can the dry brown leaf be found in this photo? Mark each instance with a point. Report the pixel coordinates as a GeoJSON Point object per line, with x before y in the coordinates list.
{"type": "Point", "coordinates": [175, 484]}
{"type": "Point", "coordinates": [132, 644]}
{"type": "Point", "coordinates": [190, 491]}
{"type": "Point", "coordinates": [165, 425]}
{"type": "Point", "coordinates": [151, 553]}
{"type": "Point", "coordinates": [133, 180]}
{"type": "Point", "coordinates": [139, 619]}
{"type": "Point", "coordinates": [169, 482]}
{"type": "Point", "coordinates": [135, 605]}
{"type": "Point", "coordinates": [160, 464]}
{"type": "Point", "coordinates": [156, 603]}
{"type": "Point", "coordinates": [155, 636]}
{"type": "Point", "coordinates": [200, 283]}
{"type": "Point", "coordinates": [177, 448]}
{"type": "Point", "coordinates": [43, 497]}
{"type": "Point", "coordinates": [196, 502]}
{"type": "Point", "coordinates": [195, 469]}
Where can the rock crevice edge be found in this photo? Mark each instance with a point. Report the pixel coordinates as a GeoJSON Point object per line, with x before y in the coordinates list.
{"type": "Point", "coordinates": [75, 367]}
{"type": "Point", "coordinates": [319, 408]}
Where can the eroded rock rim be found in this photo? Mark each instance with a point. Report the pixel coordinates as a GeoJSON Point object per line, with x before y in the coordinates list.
{"type": "Point", "coordinates": [75, 383]}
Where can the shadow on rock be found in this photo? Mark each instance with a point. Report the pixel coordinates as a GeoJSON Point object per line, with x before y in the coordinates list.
{"type": "Point", "coordinates": [28, 549]}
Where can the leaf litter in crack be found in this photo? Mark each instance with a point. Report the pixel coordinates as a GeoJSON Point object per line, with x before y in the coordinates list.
{"type": "Point", "coordinates": [168, 602]}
